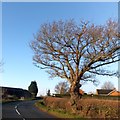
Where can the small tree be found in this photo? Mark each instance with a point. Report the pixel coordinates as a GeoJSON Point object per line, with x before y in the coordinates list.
{"type": "Point", "coordinates": [108, 85]}
{"type": "Point", "coordinates": [48, 93]}
{"type": "Point", "coordinates": [33, 89]}
{"type": "Point", "coordinates": [62, 88]}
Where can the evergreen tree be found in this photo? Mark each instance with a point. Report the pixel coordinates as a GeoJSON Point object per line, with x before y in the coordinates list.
{"type": "Point", "coordinates": [48, 93]}
{"type": "Point", "coordinates": [33, 89]}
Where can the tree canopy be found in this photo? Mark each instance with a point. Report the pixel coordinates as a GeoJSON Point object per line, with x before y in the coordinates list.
{"type": "Point", "coordinates": [33, 89]}
{"type": "Point", "coordinates": [62, 88]}
{"type": "Point", "coordinates": [76, 52]}
{"type": "Point", "coordinates": [48, 93]}
{"type": "Point", "coordinates": [108, 85]}
{"type": "Point", "coordinates": [71, 51]}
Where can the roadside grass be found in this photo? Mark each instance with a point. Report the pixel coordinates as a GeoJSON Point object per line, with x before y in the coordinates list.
{"type": "Point", "coordinates": [56, 112]}
{"type": "Point", "coordinates": [0, 100]}
{"type": "Point", "coordinates": [6, 101]}
{"type": "Point", "coordinates": [9, 101]}
{"type": "Point", "coordinates": [14, 100]}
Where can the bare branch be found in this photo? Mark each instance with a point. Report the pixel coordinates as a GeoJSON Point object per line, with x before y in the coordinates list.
{"type": "Point", "coordinates": [69, 51]}
{"type": "Point", "coordinates": [106, 63]}
{"type": "Point", "coordinates": [108, 85]}
{"type": "Point", "coordinates": [104, 73]}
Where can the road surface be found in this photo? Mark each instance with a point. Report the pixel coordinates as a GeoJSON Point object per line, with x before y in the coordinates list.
{"type": "Point", "coordinates": [22, 110]}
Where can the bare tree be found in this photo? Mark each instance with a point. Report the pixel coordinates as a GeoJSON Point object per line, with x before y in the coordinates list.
{"type": "Point", "coordinates": [62, 88]}
{"type": "Point", "coordinates": [76, 52]}
{"type": "Point", "coordinates": [108, 85]}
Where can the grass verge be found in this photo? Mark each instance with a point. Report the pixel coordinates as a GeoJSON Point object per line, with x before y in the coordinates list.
{"type": "Point", "coordinates": [15, 100]}
{"type": "Point", "coordinates": [7, 101]}
{"type": "Point", "coordinates": [56, 112]}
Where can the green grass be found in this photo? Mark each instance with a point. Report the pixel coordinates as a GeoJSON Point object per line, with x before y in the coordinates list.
{"type": "Point", "coordinates": [56, 112]}
{"type": "Point", "coordinates": [7, 101]}
{"type": "Point", "coordinates": [0, 100]}
{"type": "Point", "coordinates": [14, 100]}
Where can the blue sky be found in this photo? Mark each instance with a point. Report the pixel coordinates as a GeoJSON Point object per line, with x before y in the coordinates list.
{"type": "Point", "coordinates": [21, 20]}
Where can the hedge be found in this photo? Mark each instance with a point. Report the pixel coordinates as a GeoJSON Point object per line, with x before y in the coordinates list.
{"type": "Point", "coordinates": [88, 108]}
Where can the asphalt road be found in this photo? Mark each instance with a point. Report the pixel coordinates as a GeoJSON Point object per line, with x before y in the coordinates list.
{"type": "Point", "coordinates": [22, 110]}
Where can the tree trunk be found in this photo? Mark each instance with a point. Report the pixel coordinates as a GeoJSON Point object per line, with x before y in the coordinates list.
{"type": "Point", "coordinates": [75, 96]}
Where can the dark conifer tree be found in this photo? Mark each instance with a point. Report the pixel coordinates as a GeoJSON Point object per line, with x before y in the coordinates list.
{"type": "Point", "coordinates": [33, 89]}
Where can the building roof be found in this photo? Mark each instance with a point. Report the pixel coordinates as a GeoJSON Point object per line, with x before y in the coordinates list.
{"type": "Point", "coordinates": [81, 91]}
{"type": "Point", "coordinates": [18, 92]}
{"type": "Point", "coordinates": [115, 91]}
{"type": "Point", "coordinates": [104, 91]}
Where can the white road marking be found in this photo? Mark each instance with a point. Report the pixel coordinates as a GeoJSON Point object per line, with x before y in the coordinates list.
{"type": "Point", "coordinates": [17, 112]}
{"type": "Point", "coordinates": [15, 107]}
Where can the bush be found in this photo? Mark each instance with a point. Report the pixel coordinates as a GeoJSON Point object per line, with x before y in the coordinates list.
{"type": "Point", "coordinates": [99, 108]}
{"type": "Point", "coordinates": [93, 108]}
{"type": "Point", "coordinates": [53, 102]}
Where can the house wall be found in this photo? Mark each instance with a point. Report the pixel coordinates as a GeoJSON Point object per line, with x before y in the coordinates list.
{"type": "Point", "coordinates": [96, 92]}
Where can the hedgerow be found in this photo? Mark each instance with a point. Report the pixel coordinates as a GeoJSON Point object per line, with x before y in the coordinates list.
{"type": "Point", "coordinates": [88, 108]}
